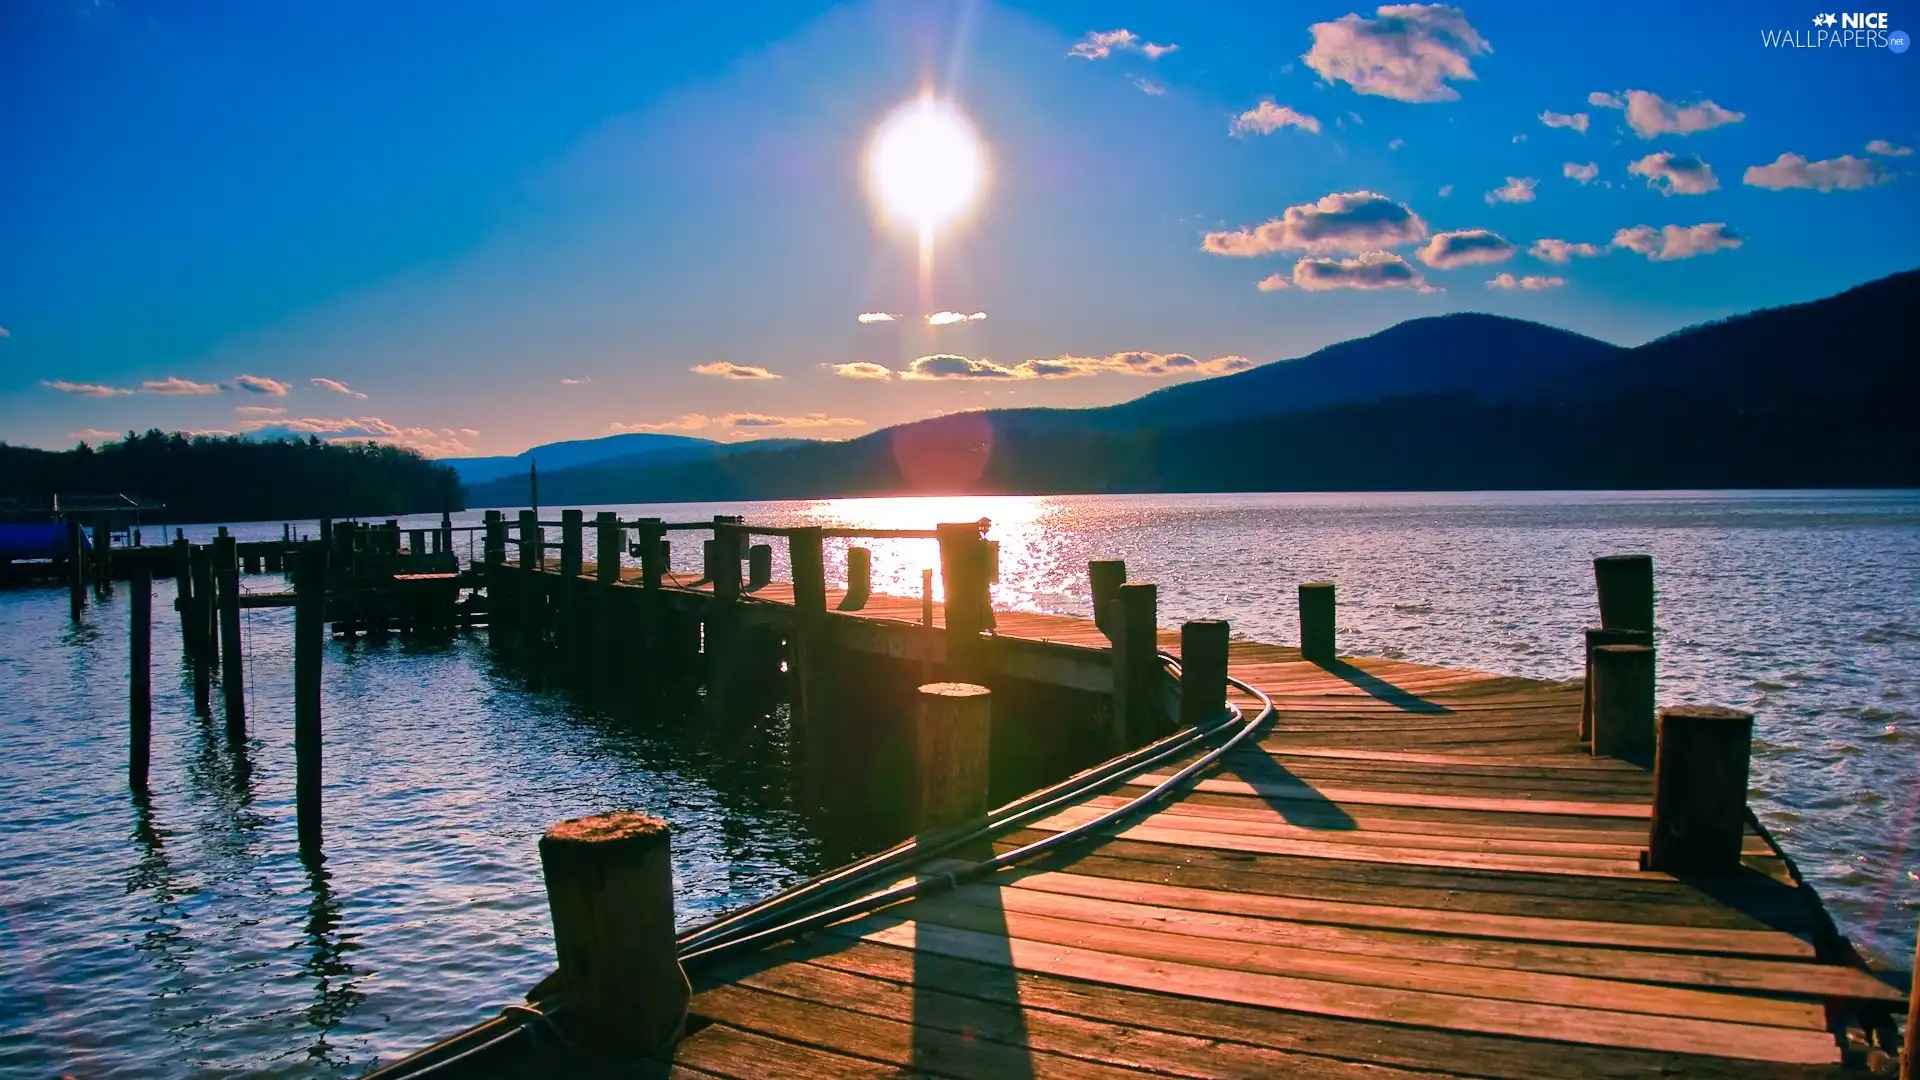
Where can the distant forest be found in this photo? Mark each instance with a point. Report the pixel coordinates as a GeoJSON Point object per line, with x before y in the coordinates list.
{"type": "Point", "coordinates": [230, 479]}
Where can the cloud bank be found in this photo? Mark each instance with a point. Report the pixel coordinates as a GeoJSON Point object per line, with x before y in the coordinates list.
{"type": "Point", "coordinates": [1351, 222]}
{"type": "Point", "coordinates": [1844, 173]}
{"type": "Point", "coordinates": [1408, 52]}
{"type": "Point", "coordinates": [727, 369]}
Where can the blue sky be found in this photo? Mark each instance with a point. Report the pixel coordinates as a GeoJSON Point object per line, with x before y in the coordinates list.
{"type": "Point", "coordinates": [491, 225]}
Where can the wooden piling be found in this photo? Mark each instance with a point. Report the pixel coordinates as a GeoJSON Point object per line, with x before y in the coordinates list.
{"type": "Point", "coordinates": [1595, 639]}
{"type": "Point", "coordinates": [1317, 621]}
{"type": "Point", "coordinates": [610, 892]}
{"type": "Point", "coordinates": [139, 674]}
{"type": "Point", "coordinates": [203, 645]}
{"type": "Point", "coordinates": [444, 539]}
{"type": "Point", "coordinates": [416, 541]}
{"type": "Point", "coordinates": [183, 593]}
{"type": "Point", "coordinates": [759, 567]}
{"type": "Point", "coordinates": [653, 552]}
{"type": "Point", "coordinates": [1623, 690]}
{"type": "Point", "coordinates": [1203, 672]}
{"type": "Point", "coordinates": [102, 555]}
{"type": "Point", "coordinates": [1105, 576]}
{"type": "Point", "coordinates": [1700, 789]}
{"type": "Point", "coordinates": [309, 638]}
{"type": "Point", "coordinates": [529, 591]}
{"type": "Point", "coordinates": [607, 545]}
{"type": "Point", "coordinates": [963, 580]}
{"type": "Point", "coordinates": [76, 569]}
{"type": "Point", "coordinates": [532, 539]}
{"type": "Point", "coordinates": [812, 653]}
{"type": "Point", "coordinates": [1625, 585]}
{"type": "Point", "coordinates": [232, 664]}
{"type": "Point", "coordinates": [859, 579]}
{"type": "Point", "coordinates": [1137, 716]}
{"type": "Point", "coordinates": [952, 735]}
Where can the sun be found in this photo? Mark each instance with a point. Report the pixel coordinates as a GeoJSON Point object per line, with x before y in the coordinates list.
{"type": "Point", "coordinates": [926, 165]}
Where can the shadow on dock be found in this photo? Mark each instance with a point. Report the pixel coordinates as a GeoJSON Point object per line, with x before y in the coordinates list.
{"type": "Point", "coordinates": [1380, 689]}
{"type": "Point", "coordinates": [1296, 800]}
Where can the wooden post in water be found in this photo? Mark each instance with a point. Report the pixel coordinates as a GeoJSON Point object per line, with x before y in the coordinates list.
{"type": "Point", "coordinates": [309, 638]}
{"type": "Point", "coordinates": [445, 537]}
{"type": "Point", "coordinates": [76, 569]}
{"type": "Point", "coordinates": [572, 561]}
{"type": "Point", "coordinates": [183, 594]}
{"type": "Point", "coordinates": [530, 593]}
{"type": "Point", "coordinates": [1595, 639]}
{"type": "Point", "coordinates": [493, 560]}
{"type": "Point", "coordinates": [610, 891]}
{"type": "Point", "coordinates": [139, 674]}
{"type": "Point", "coordinates": [951, 739]}
{"type": "Point", "coordinates": [204, 646]}
{"type": "Point", "coordinates": [1625, 584]}
{"type": "Point", "coordinates": [102, 555]}
{"type": "Point", "coordinates": [1137, 716]}
{"type": "Point", "coordinates": [1316, 621]}
{"type": "Point", "coordinates": [759, 567]}
{"type": "Point", "coordinates": [416, 541]}
{"type": "Point", "coordinates": [860, 580]}
{"type": "Point", "coordinates": [1203, 672]}
{"type": "Point", "coordinates": [607, 542]}
{"type": "Point", "coordinates": [653, 553]}
{"type": "Point", "coordinates": [813, 654]}
{"type": "Point", "coordinates": [1700, 789]}
{"type": "Point", "coordinates": [1623, 702]}
{"type": "Point", "coordinates": [1105, 576]}
{"type": "Point", "coordinates": [532, 536]}
{"type": "Point", "coordinates": [963, 579]}
{"type": "Point", "coordinates": [232, 664]}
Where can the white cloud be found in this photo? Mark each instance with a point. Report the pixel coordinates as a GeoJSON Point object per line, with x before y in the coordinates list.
{"type": "Point", "coordinates": [727, 369]}
{"type": "Point", "coordinates": [1272, 283]}
{"type": "Point", "coordinates": [1517, 189]}
{"type": "Point", "coordinates": [1466, 247]}
{"type": "Point", "coordinates": [947, 318]}
{"type": "Point", "coordinates": [1409, 52]}
{"type": "Point", "coordinates": [174, 386]}
{"type": "Point", "coordinates": [1445, 191]}
{"type": "Point", "coordinates": [1576, 121]}
{"type": "Point", "coordinates": [1101, 44]}
{"type": "Point", "coordinates": [1136, 362]}
{"type": "Point", "coordinates": [761, 421]}
{"type": "Point", "coordinates": [1560, 252]}
{"type": "Point", "coordinates": [1877, 146]}
{"type": "Point", "coordinates": [357, 429]}
{"type": "Point", "coordinates": [1147, 86]}
{"type": "Point", "coordinates": [1267, 118]}
{"type": "Point", "coordinates": [1373, 270]}
{"type": "Point", "coordinates": [337, 387]}
{"type": "Point", "coordinates": [259, 410]}
{"type": "Point", "coordinates": [861, 369]}
{"type": "Point", "coordinates": [1676, 174]}
{"type": "Point", "coordinates": [5, 333]}
{"type": "Point", "coordinates": [1583, 173]}
{"type": "Point", "coordinates": [949, 366]}
{"type": "Point", "coordinates": [1677, 241]}
{"type": "Point", "coordinates": [1649, 115]}
{"type": "Point", "coordinates": [94, 435]}
{"type": "Point", "coordinates": [1532, 282]}
{"type": "Point", "coordinates": [1519, 139]}
{"type": "Point", "coordinates": [692, 421]}
{"type": "Point", "coordinates": [1844, 173]}
{"type": "Point", "coordinates": [1352, 222]}
{"type": "Point", "coordinates": [567, 380]}
{"type": "Point", "coordinates": [1395, 144]}
{"type": "Point", "coordinates": [84, 389]}
{"type": "Point", "coordinates": [876, 317]}
{"type": "Point", "coordinates": [260, 384]}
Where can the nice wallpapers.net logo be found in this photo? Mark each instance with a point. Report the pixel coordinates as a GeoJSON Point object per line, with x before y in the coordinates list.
{"type": "Point", "coordinates": [1840, 30]}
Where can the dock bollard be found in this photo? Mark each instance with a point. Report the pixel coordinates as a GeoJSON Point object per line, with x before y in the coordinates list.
{"type": "Point", "coordinates": [232, 664]}
{"type": "Point", "coordinates": [1625, 585]}
{"type": "Point", "coordinates": [1136, 666]}
{"type": "Point", "coordinates": [1104, 577]}
{"type": "Point", "coordinates": [140, 675]}
{"type": "Point", "coordinates": [951, 738]}
{"type": "Point", "coordinates": [309, 639]}
{"type": "Point", "coordinates": [1595, 639]}
{"type": "Point", "coordinates": [1700, 788]}
{"type": "Point", "coordinates": [1203, 671]}
{"type": "Point", "coordinates": [759, 566]}
{"type": "Point", "coordinates": [1623, 721]}
{"type": "Point", "coordinates": [610, 892]}
{"type": "Point", "coordinates": [860, 580]}
{"type": "Point", "coordinates": [1316, 620]}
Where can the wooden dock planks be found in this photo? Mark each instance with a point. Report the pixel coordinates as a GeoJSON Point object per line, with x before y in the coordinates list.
{"type": "Point", "coordinates": [1419, 871]}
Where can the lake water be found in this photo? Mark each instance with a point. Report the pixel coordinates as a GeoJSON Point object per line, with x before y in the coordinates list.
{"type": "Point", "coordinates": [184, 936]}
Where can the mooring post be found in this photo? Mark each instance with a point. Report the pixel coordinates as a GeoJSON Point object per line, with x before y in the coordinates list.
{"type": "Point", "coordinates": [759, 567]}
{"type": "Point", "coordinates": [76, 569]}
{"type": "Point", "coordinates": [1203, 672]}
{"type": "Point", "coordinates": [610, 892]}
{"type": "Point", "coordinates": [725, 570]}
{"type": "Point", "coordinates": [446, 533]}
{"type": "Point", "coordinates": [963, 579]}
{"type": "Point", "coordinates": [1623, 691]}
{"type": "Point", "coordinates": [1316, 621]}
{"type": "Point", "coordinates": [183, 594]}
{"type": "Point", "coordinates": [607, 545]}
{"type": "Point", "coordinates": [812, 651]}
{"type": "Point", "coordinates": [204, 646]}
{"type": "Point", "coordinates": [652, 536]}
{"type": "Point", "coordinates": [1595, 639]}
{"type": "Point", "coordinates": [232, 664]}
{"type": "Point", "coordinates": [572, 561]}
{"type": "Point", "coordinates": [102, 555]}
{"type": "Point", "coordinates": [530, 593]}
{"type": "Point", "coordinates": [952, 736]}
{"type": "Point", "coordinates": [1700, 789]}
{"type": "Point", "coordinates": [1105, 576]}
{"type": "Point", "coordinates": [1625, 585]}
{"type": "Point", "coordinates": [493, 557]}
{"type": "Point", "coordinates": [309, 638]}
{"type": "Point", "coordinates": [860, 580]}
{"type": "Point", "coordinates": [532, 537]}
{"type": "Point", "coordinates": [1137, 715]}
{"type": "Point", "coordinates": [139, 674]}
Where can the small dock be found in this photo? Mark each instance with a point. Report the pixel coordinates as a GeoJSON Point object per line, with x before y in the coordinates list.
{"type": "Point", "coordinates": [1243, 859]}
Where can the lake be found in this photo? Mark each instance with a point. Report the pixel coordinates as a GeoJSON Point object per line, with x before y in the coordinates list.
{"type": "Point", "coordinates": [183, 935]}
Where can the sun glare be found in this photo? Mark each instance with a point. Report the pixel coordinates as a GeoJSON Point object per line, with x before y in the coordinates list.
{"type": "Point", "coordinates": [926, 165]}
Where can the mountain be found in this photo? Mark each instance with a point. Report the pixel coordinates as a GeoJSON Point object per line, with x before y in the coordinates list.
{"type": "Point", "coordinates": [562, 455]}
{"type": "Point", "coordinates": [1819, 394]}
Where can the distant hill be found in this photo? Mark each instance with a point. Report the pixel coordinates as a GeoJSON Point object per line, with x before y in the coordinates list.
{"type": "Point", "coordinates": [563, 455]}
{"type": "Point", "coordinates": [1819, 394]}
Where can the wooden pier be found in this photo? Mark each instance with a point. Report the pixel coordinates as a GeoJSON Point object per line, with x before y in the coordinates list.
{"type": "Point", "coordinates": [1374, 869]}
